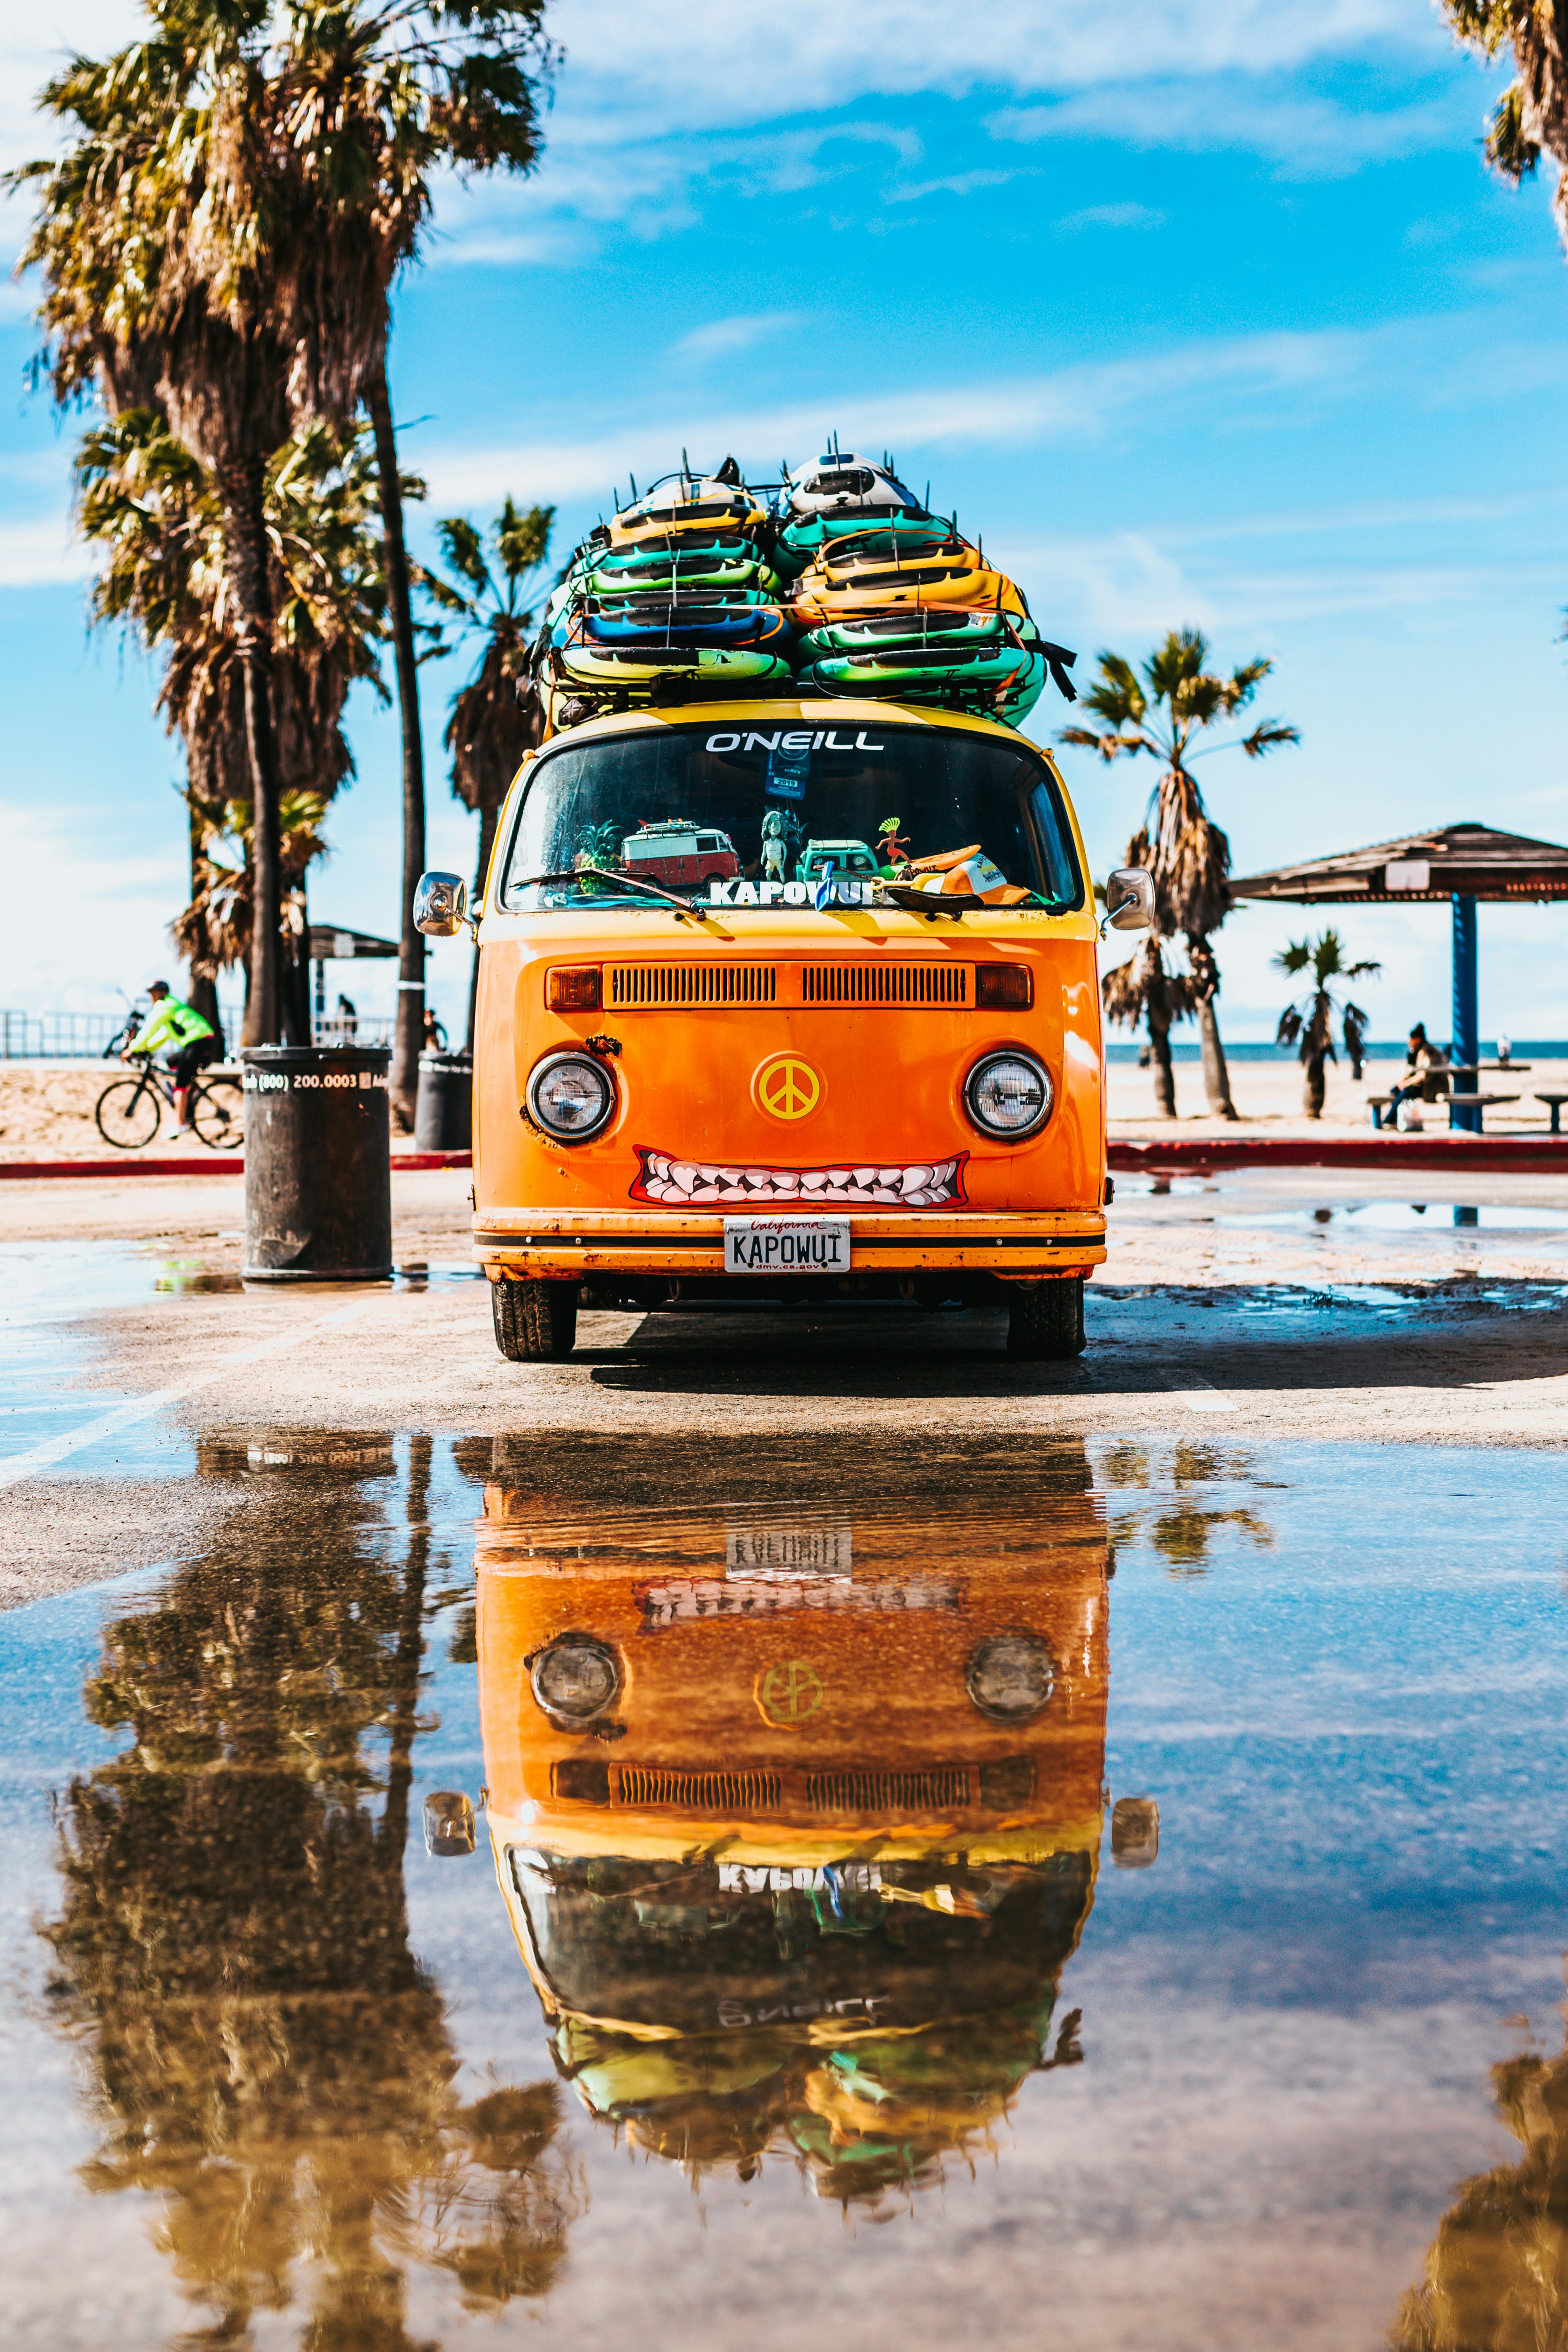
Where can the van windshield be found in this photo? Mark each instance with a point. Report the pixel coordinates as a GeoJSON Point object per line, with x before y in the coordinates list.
{"type": "Point", "coordinates": [721, 813]}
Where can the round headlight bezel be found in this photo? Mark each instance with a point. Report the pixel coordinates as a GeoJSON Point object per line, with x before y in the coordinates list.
{"type": "Point", "coordinates": [570, 1718]}
{"type": "Point", "coordinates": [989, 1061]}
{"type": "Point", "coordinates": [579, 1060]}
{"type": "Point", "coordinates": [983, 1656]}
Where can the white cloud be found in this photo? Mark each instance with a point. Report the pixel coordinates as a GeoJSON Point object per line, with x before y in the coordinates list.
{"type": "Point", "coordinates": [705, 64]}
{"type": "Point", "coordinates": [960, 184]}
{"type": "Point", "coordinates": [1112, 217]}
{"type": "Point", "coordinates": [1073, 403]}
{"type": "Point", "coordinates": [1304, 137]}
{"type": "Point", "coordinates": [723, 337]}
{"type": "Point", "coordinates": [40, 554]}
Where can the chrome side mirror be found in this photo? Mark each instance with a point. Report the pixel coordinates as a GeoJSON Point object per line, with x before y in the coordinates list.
{"type": "Point", "coordinates": [1134, 1832]}
{"type": "Point", "coordinates": [1129, 899]}
{"type": "Point", "coordinates": [440, 905]}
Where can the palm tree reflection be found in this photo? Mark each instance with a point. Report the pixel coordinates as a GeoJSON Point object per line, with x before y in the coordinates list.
{"type": "Point", "coordinates": [264, 2053]}
{"type": "Point", "coordinates": [1497, 2275]}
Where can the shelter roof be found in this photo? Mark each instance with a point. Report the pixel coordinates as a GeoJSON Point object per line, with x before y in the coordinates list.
{"type": "Point", "coordinates": [1467, 861]}
{"type": "Point", "coordinates": [329, 943]}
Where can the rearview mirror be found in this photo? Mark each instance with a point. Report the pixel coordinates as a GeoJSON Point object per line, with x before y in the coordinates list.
{"type": "Point", "coordinates": [1129, 899]}
{"type": "Point", "coordinates": [440, 905]}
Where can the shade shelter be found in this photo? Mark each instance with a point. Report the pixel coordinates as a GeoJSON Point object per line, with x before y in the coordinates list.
{"type": "Point", "coordinates": [1460, 863]}
{"type": "Point", "coordinates": [330, 943]}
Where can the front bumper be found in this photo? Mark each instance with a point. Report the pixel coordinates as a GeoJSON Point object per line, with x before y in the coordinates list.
{"type": "Point", "coordinates": [552, 1246]}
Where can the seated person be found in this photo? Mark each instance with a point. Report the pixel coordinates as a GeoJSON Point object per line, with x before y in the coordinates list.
{"type": "Point", "coordinates": [1427, 1077]}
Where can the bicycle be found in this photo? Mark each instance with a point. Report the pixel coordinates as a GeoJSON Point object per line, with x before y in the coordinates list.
{"type": "Point", "coordinates": [131, 1111]}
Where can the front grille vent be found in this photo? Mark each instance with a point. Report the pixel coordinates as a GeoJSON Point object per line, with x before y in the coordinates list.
{"type": "Point", "coordinates": [886, 983]}
{"type": "Point", "coordinates": [861, 1788]}
{"type": "Point", "coordinates": [691, 985]}
{"type": "Point", "coordinates": [699, 1792]}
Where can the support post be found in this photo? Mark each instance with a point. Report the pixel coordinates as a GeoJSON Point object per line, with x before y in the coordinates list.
{"type": "Point", "coordinates": [1467, 1005]}
{"type": "Point", "coordinates": [321, 1005]}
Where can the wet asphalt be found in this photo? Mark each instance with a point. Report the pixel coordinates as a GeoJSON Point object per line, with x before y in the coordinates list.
{"type": "Point", "coordinates": [1283, 2074]}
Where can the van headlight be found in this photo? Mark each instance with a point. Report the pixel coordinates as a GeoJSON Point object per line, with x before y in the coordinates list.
{"type": "Point", "coordinates": [571, 1097]}
{"type": "Point", "coordinates": [1010, 1677]}
{"type": "Point", "coordinates": [576, 1678]}
{"type": "Point", "coordinates": [1009, 1093]}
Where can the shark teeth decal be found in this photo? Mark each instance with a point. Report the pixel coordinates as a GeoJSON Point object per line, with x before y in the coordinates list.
{"type": "Point", "coordinates": [704, 1184]}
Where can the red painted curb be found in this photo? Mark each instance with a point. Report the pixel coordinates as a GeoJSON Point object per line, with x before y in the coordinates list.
{"type": "Point", "coordinates": [1462, 1154]}
{"type": "Point", "coordinates": [213, 1167]}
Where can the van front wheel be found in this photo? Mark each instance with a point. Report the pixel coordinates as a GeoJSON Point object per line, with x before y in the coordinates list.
{"type": "Point", "coordinates": [1045, 1320]}
{"type": "Point", "coordinates": [536, 1322]}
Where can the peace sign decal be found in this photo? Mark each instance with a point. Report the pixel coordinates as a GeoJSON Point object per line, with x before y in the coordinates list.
{"type": "Point", "coordinates": [788, 1087]}
{"type": "Point", "coordinates": [788, 1693]}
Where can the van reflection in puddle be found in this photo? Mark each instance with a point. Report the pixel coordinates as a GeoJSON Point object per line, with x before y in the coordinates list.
{"type": "Point", "coordinates": [797, 1811]}
{"type": "Point", "coordinates": [267, 2059]}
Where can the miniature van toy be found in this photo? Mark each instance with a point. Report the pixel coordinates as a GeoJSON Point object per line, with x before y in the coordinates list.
{"type": "Point", "coordinates": [693, 1091]}
{"type": "Point", "coordinates": [678, 855]}
{"type": "Point", "coordinates": [843, 856]}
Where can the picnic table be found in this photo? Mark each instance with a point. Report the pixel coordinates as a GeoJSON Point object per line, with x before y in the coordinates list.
{"type": "Point", "coordinates": [1554, 1110]}
{"type": "Point", "coordinates": [1470, 1099]}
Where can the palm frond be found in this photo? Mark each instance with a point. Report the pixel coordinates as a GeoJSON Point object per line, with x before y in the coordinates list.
{"type": "Point", "coordinates": [464, 551]}
{"type": "Point", "coordinates": [1268, 735]}
{"type": "Point", "coordinates": [1294, 957]}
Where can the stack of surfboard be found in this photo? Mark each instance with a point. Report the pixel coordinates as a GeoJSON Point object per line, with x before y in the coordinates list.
{"type": "Point", "coordinates": [677, 595]}
{"type": "Point", "coordinates": [685, 592]}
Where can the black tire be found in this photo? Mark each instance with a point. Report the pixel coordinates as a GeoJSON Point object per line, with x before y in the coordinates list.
{"type": "Point", "coordinates": [128, 1114]}
{"type": "Point", "coordinates": [217, 1113]}
{"type": "Point", "coordinates": [1044, 1320]}
{"type": "Point", "coordinates": [536, 1322]}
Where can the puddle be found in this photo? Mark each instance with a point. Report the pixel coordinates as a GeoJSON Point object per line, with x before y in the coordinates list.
{"type": "Point", "coordinates": [910, 1884]}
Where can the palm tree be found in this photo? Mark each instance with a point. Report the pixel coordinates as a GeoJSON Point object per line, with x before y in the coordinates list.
{"type": "Point", "coordinates": [166, 233]}
{"type": "Point", "coordinates": [268, 2068]}
{"type": "Point", "coordinates": [1309, 1022]}
{"type": "Point", "coordinates": [1164, 715]}
{"type": "Point", "coordinates": [1533, 112]}
{"type": "Point", "coordinates": [218, 241]}
{"type": "Point", "coordinates": [1143, 990]}
{"type": "Point", "coordinates": [152, 510]}
{"type": "Point", "coordinates": [379, 95]}
{"type": "Point", "coordinates": [497, 717]}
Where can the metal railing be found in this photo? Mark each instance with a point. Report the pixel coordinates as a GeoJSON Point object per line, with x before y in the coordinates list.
{"type": "Point", "coordinates": [56, 1036]}
{"type": "Point", "coordinates": [363, 1030]}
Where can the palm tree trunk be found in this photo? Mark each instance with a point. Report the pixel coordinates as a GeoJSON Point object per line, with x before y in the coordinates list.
{"type": "Point", "coordinates": [244, 559]}
{"type": "Point", "coordinates": [1314, 1091]}
{"type": "Point", "coordinates": [408, 1034]}
{"type": "Point", "coordinates": [202, 994]}
{"type": "Point", "coordinates": [392, 1834]}
{"type": "Point", "coordinates": [1165, 1074]}
{"type": "Point", "coordinates": [487, 817]}
{"type": "Point", "coordinates": [1216, 1077]}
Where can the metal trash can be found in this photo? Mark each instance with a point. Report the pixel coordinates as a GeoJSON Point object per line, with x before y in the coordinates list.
{"type": "Point", "coordinates": [318, 1164]}
{"type": "Point", "coordinates": [444, 1106]}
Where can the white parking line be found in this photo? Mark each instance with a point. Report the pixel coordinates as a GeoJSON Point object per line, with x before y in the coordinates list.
{"type": "Point", "coordinates": [22, 1466]}
{"type": "Point", "coordinates": [1202, 1397]}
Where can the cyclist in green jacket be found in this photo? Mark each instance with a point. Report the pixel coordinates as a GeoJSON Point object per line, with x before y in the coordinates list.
{"type": "Point", "coordinates": [194, 1040]}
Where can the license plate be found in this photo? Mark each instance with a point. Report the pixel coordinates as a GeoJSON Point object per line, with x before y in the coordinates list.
{"type": "Point", "coordinates": [786, 1245]}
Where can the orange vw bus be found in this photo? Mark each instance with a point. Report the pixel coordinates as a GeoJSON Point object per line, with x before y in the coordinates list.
{"type": "Point", "coordinates": [866, 1061]}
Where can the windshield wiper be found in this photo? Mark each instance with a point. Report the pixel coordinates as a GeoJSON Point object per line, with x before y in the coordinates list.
{"type": "Point", "coordinates": [622, 881]}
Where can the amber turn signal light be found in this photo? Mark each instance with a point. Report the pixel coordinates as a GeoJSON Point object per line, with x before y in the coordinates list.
{"type": "Point", "coordinates": [575, 988]}
{"type": "Point", "coordinates": [1011, 985]}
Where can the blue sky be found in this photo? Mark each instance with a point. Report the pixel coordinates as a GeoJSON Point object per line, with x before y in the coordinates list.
{"type": "Point", "coordinates": [1199, 311]}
